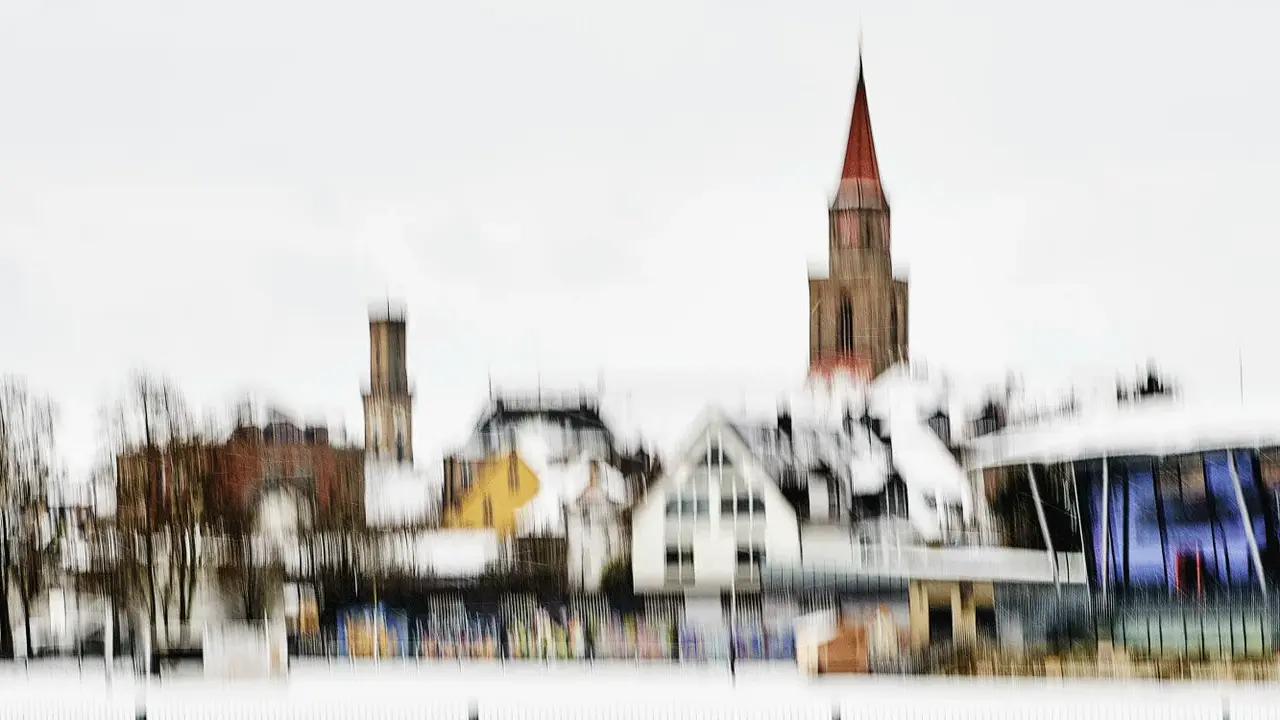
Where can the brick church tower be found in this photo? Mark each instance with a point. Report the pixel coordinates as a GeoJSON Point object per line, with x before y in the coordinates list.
{"type": "Point", "coordinates": [388, 399]}
{"type": "Point", "coordinates": [858, 312]}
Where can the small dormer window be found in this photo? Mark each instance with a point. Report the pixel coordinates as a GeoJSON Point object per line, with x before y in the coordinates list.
{"type": "Point", "coordinates": [941, 426]}
{"type": "Point", "coordinates": [715, 457]}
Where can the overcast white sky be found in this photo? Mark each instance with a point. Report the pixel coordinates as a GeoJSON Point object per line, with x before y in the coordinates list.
{"type": "Point", "coordinates": [218, 190]}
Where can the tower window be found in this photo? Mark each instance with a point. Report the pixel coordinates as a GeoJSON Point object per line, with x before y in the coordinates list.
{"type": "Point", "coordinates": [845, 331]}
{"type": "Point", "coordinates": [817, 310]}
{"type": "Point", "coordinates": [873, 231]}
{"type": "Point", "coordinates": [893, 329]}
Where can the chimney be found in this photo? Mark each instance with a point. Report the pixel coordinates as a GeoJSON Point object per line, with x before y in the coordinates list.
{"type": "Point", "coordinates": [784, 422]}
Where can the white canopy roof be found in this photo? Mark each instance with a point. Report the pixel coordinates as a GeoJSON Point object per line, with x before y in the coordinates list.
{"type": "Point", "coordinates": [1154, 428]}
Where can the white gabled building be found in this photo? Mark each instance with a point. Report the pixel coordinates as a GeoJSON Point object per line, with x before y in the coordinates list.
{"type": "Point", "coordinates": [854, 489]}
{"type": "Point", "coordinates": [712, 519]}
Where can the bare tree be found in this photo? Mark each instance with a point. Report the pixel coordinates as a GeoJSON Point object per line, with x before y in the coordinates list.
{"type": "Point", "coordinates": [104, 574]}
{"type": "Point", "coordinates": [163, 467]}
{"type": "Point", "coordinates": [28, 538]}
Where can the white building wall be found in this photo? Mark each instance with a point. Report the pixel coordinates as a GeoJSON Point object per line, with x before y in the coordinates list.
{"type": "Point", "coordinates": [594, 541]}
{"type": "Point", "coordinates": [648, 541]}
{"type": "Point", "coordinates": [715, 538]}
{"type": "Point", "coordinates": [832, 549]}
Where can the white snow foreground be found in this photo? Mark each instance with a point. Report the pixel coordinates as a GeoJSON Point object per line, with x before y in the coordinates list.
{"type": "Point", "coordinates": [537, 691]}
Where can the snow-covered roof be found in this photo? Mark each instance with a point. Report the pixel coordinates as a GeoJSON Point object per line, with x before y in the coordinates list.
{"type": "Point", "coordinates": [575, 417]}
{"type": "Point", "coordinates": [396, 494]}
{"type": "Point", "coordinates": [562, 479]}
{"type": "Point", "coordinates": [1150, 428]}
{"type": "Point", "coordinates": [822, 433]}
{"type": "Point", "coordinates": [790, 457]}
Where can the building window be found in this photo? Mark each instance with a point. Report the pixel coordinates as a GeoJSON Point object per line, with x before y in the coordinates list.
{"type": "Point", "coordinates": [513, 472]}
{"type": "Point", "coordinates": [679, 564]}
{"type": "Point", "coordinates": [866, 231]}
{"type": "Point", "coordinates": [817, 325]}
{"type": "Point", "coordinates": [750, 559]}
{"type": "Point", "coordinates": [716, 458]}
{"type": "Point", "coordinates": [488, 511]}
{"type": "Point", "coordinates": [687, 506]}
{"type": "Point", "coordinates": [464, 474]}
{"type": "Point", "coordinates": [742, 506]}
{"type": "Point", "coordinates": [893, 329]}
{"type": "Point", "coordinates": [940, 424]}
{"type": "Point", "coordinates": [895, 498]}
{"type": "Point", "coordinates": [844, 333]}
{"type": "Point", "coordinates": [399, 447]}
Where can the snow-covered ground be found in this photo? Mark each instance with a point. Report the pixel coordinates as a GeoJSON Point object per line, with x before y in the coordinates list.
{"type": "Point", "coordinates": [534, 691]}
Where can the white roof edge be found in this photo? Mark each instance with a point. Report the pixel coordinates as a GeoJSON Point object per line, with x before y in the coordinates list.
{"type": "Point", "coordinates": [1158, 430]}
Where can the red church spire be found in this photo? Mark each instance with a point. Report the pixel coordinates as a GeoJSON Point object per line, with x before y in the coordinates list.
{"type": "Point", "coordinates": [860, 176]}
{"type": "Point", "coordinates": [860, 152]}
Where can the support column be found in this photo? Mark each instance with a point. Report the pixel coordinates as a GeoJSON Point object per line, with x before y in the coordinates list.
{"type": "Point", "coordinates": [918, 606]}
{"type": "Point", "coordinates": [964, 616]}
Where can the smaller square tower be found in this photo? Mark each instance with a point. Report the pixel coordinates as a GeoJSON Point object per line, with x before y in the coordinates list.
{"type": "Point", "coordinates": [388, 400]}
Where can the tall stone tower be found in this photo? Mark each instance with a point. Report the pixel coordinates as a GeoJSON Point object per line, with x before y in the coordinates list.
{"type": "Point", "coordinates": [388, 401]}
{"type": "Point", "coordinates": [858, 311]}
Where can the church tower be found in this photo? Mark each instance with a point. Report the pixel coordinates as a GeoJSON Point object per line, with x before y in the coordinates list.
{"type": "Point", "coordinates": [858, 311]}
{"type": "Point", "coordinates": [388, 401]}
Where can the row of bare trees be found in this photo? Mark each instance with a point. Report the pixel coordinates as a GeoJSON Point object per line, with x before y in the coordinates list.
{"type": "Point", "coordinates": [146, 559]}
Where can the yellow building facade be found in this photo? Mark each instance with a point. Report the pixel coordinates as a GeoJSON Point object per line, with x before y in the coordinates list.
{"type": "Point", "coordinates": [487, 494]}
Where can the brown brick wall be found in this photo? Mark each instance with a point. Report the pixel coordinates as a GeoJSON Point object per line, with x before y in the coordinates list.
{"type": "Point", "coordinates": [234, 473]}
{"type": "Point", "coordinates": [860, 270]}
{"type": "Point", "coordinates": [337, 475]}
{"type": "Point", "coordinates": [872, 299]}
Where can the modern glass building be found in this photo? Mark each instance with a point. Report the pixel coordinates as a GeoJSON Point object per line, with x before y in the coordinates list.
{"type": "Point", "coordinates": [1189, 525]}
{"type": "Point", "coordinates": [1179, 521]}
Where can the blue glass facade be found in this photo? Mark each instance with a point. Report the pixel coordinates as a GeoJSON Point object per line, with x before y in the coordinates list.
{"type": "Point", "coordinates": [1176, 526]}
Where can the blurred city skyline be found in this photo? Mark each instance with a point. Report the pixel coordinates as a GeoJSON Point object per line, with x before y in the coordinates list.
{"type": "Point", "coordinates": [566, 190]}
